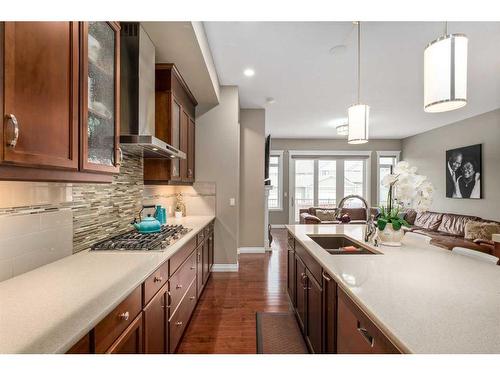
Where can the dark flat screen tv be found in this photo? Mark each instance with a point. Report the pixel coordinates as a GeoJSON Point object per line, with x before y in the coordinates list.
{"type": "Point", "coordinates": [267, 180]}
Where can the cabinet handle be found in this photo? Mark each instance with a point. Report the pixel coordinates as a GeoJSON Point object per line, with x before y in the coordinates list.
{"type": "Point", "coordinates": [193, 268]}
{"type": "Point", "coordinates": [178, 286]}
{"type": "Point", "coordinates": [178, 324]}
{"type": "Point", "coordinates": [325, 277]}
{"type": "Point", "coordinates": [13, 120]}
{"type": "Point", "coordinates": [192, 298]}
{"type": "Point", "coordinates": [190, 172]}
{"type": "Point", "coordinates": [158, 279]}
{"type": "Point", "coordinates": [169, 300]}
{"type": "Point", "coordinates": [364, 332]}
{"type": "Point", "coordinates": [124, 316]}
{"type": "Point", "coordinates": [120, 157]}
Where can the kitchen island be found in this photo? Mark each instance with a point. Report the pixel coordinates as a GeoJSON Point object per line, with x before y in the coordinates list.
{"type": "Point", "coordinates": [51, 308]}
{"type": "Point", "coordinates": [422, 298]}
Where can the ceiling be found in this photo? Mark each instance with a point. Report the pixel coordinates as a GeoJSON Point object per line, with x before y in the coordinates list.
{"type": "Point", "coordinates": [313, 87]}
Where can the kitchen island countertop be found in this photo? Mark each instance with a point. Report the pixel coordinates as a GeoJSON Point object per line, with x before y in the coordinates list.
{"type": "Point", "coordinates": [424, 298]}
{"type": "Point", "coordinates": [47, 310]}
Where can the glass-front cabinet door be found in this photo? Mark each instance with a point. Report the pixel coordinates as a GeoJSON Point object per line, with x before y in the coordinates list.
{"type": "Point", "coordinates": [100, 97]}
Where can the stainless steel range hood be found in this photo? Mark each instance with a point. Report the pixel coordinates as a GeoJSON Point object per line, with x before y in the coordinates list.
{"type": "Point", "coordinates": [137, 103]}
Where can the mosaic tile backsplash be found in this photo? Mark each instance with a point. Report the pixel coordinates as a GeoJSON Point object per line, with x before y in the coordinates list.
{"type": "Point", "coordinates": [42, 222]}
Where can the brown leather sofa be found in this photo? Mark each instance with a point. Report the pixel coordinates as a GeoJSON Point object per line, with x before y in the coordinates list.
{"type": "Point", "coordinates": [447, 230]}
{"type": "Point", "coordinates": [357, 215]}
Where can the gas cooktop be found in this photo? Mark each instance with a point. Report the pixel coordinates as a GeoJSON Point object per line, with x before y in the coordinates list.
{"type": "Point", "coordinates": [134, 240]}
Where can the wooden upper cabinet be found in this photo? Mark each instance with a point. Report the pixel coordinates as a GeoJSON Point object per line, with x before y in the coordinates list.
{"type": "Point", "coordinates": [100, 96]}
{"type": "Point", "coordinates": [191, 150]}
{"type": "Point", "coordinates": [174, 124]}
{"type": "Point", "coordinates": [40, 94]}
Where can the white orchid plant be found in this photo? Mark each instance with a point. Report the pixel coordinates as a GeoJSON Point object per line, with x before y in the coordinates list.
{"type": "Point", "coordinates": [407, 189]}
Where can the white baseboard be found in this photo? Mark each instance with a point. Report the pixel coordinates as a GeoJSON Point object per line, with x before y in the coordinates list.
{"type": "Point", "coordinates": [251, 250]}
{"type": "Point", "coordinates": [225, 267]}
{"type": "Point", "coordinates": [278, 226]}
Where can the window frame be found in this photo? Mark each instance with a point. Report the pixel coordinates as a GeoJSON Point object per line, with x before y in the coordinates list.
{"type": "Point", "coordinates": [279, 154]}
{"type": "Point", "coordinates": [381, 154]}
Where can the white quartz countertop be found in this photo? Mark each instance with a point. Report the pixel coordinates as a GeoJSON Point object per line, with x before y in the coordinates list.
{"type": "Point", "coordinates": [49, 309]}
{"type": "Point", "coordinates": [424, 298]}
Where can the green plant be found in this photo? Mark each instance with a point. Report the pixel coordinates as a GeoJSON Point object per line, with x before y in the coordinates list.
{"type": "Point", "coordinates": [390, 216]}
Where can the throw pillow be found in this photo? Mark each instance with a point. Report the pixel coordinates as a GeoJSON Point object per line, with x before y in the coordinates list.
{"type": "Point", "coordinates": [479, 230]}
{"type": "Point", "coordinates": [326, 215]}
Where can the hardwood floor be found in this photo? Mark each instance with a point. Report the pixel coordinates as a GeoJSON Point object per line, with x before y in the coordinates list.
{"type": "Point", "coordinates": [224, 320]}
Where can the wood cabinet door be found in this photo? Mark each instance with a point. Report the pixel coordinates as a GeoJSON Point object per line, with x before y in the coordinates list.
{"type": "Point", "coordinates": [314, 310]}
{"type": "Point", "coordinates": [130, 341]}
{"type": "Point", "coordinates": [330, 314]}
{"type": "Point", "coordinates": [356, 333]}
{"type": "Point", "coordinates": [40, 94]}
{"type": "Point", "coordinates": [206, 261]}
{"type": "Point", "coordinates": [211, 240]}
{"type": "Point", "coordinates": [184, 145]}
{"type": "Point", "coordinates": [155, 325]}
{"type": "Point", "coordinates": [100, 97]}
{"type": "Point", "coordinates": [191, 150]}
{"type": "Point", "coordinates": [291, 277]}
{"type": "Point", "coordinates": [301, 288]}
{"type": "Point", "coordinates": [81, 347]}
{"type": "Point", "coordinates": [199, 269]}
{"type": "Point", "coordinates": [175, 131]}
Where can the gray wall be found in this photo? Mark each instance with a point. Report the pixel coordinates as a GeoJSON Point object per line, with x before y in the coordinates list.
{"type": "Point", "coordinates": [251, 233]}
{"type": "Point", "coordinates": [217, 160]}
{"type": "Point", "coordinates": [427, 151]}
{"type": "Point", "coordinates": [281, 217]}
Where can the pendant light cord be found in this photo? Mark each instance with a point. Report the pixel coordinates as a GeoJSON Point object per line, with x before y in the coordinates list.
{"type": "Point", "coordinates": [359, 60]}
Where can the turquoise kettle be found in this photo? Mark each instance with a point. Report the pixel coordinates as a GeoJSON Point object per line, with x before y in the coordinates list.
{"type": "Point", "coordinates": [147, 225]}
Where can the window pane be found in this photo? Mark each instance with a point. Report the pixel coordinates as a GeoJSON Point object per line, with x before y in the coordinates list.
{"type": "Point", "coordinates": [304, 185]}
{"type": "Point", "coordinates": [273, 200]}
{"type": "Point", "coordinates": [353, 177]}
{"type": "Point", "coordinates": [384, 171]}
{"type": "Point", "coordinates": [388, 160]}
{"type": "Point", "coordinates": [274, 160]}
{"type": "Point", "coordinates": [327, 183]}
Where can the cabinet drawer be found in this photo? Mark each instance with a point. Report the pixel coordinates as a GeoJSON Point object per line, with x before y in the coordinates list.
{"type": "Point", "coordinates": [310, 263]}
{"type": "Point", "coordinates": [181, 280]}
{"type": "Point", "coordinates": [180, 256]}
{"type": "Point", "coordinates": [154, 282]}
{"type": "Point", "coordinates": [356, 333]}
{"type": "Point", "coordinates": [108, 330]}
{"type": "Point", "coordinates": [180, 319]}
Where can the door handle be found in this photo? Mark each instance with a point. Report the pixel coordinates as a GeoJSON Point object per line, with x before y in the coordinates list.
{"type": "Point", "coordinates": [366, 335]}
{"type": "Point", "coordinates": [325, 276]}
{"type": "Point", "coordinates": [15, 125]}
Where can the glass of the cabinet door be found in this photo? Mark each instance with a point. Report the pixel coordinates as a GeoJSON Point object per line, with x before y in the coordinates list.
{"type": "Point", "coordinates": [101, 94]}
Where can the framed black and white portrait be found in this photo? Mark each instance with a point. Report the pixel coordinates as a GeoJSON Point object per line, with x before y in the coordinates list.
{"type": "Point", "coordinates": [464, 172]}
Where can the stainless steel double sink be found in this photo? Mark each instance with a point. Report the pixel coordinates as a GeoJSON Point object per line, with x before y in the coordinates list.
{"type": "Point", "coordinates": [340, 245]}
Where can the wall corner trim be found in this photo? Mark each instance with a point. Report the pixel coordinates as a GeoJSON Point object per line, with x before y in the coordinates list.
{"type": "Point", "coordinates": [251, 250]}
{"type": "Point", "coordinates": [225, 267]}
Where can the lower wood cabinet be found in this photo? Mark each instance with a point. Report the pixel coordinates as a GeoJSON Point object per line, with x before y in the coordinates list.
{"type": "Point", "coordinates": [301, 287]}
{"type": "Point", "coordinates": [356, 333]}
{"type": "Point", "coordinates": [130, 341]}
{"type": "Point", "coordinates": [153, 317]}
{"type": "Point", "coordinates": [155, 324]}
{"type": "Point", "coordinates": [180, 319]}
{"type": "Point", "coordinates": [314, 316]}
{"type": "Point", "coordinates": [329, 314]}
{"type": "Point", "coordinates": [329, 320]}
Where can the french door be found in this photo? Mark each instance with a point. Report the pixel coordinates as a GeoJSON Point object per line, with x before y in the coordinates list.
{"type": "Point", "coordinates": [323, 182]}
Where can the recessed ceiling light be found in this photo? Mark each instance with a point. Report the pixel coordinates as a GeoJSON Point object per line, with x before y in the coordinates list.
{"type": "Point", "coordinates": [249, 72]}
{"type": "Point", "coordinates": [270, 100]}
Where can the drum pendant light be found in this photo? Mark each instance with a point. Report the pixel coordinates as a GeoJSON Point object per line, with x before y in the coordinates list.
{"type": "Point", "coordinates": [445, 73]}
{"type": "Point", "coordinates": [358, 114]}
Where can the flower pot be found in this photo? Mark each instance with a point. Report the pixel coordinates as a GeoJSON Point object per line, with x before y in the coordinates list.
{"type": "Point", "coordinates": [389, 236]}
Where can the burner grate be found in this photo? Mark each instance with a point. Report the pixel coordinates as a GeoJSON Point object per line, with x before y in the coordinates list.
{"type": "Point", "coordinates": [134, 240]}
